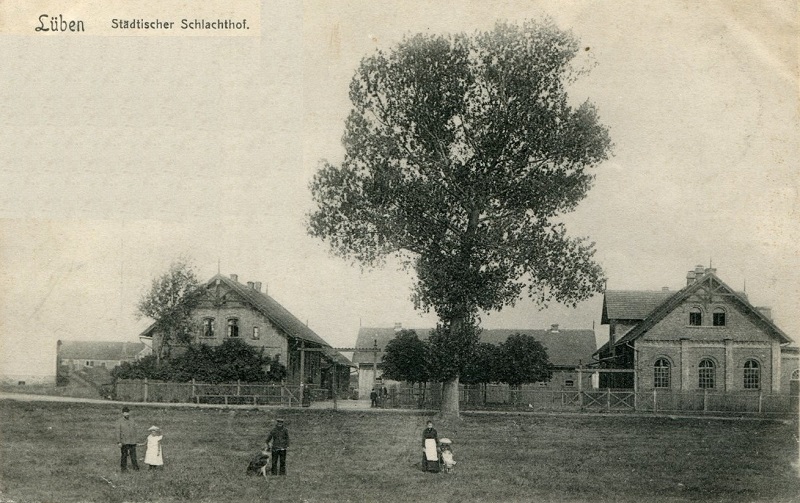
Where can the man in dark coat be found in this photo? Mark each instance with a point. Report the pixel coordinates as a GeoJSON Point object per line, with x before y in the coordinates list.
{"type": "Point", "coordinates": [278, 441]}
{"type": "Point", "coordinates": [373, 397]}
{"type": "Point", "coordinates": [126, 440]}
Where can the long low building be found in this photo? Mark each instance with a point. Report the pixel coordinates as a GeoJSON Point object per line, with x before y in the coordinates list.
{"type": "Point", "coordinates": [567, 350]}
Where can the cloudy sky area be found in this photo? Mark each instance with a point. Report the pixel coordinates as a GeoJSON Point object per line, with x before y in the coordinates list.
{"type": "Point", "coordinates": [119, 154]}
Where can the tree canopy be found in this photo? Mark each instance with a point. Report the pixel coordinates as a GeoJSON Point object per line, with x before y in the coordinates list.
{"type": "Point", "coordinates": [406, 358]}
{"type": "Point", "coordinates": [461, 153]}
{"type": "Point", "coordinates": [521, 359]}
{"type": "Point", "coordinates": [169, 302]}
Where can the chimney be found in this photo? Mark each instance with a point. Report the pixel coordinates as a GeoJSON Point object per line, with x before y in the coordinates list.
{"type": "Point", "coordinates": [699, 270]}
{"type": "Point", "coordinates": [258, 286]}
{"type": "Point", "coordinates": [665, 289]}
{"type": "Point", "coordinates": [251, 285]}
{"type": "Point", "coordinates": [235, 277]}
{"type": "Point", "coordinates": [690, 277]}
{"type": "Point", "coordinates": [766, 311]}
{"type": "Point", "coordinates": [398, 327]}
{"type": "Point", "coordinates": [554, 328]}
{"type": "Point", "coordinates": [712, 270]}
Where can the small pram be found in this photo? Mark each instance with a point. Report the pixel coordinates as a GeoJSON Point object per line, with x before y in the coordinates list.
{"type": "Point", "coordinates": [260, 464]}
{"type": "Point", "coordinates": [446, 455]}
{"type": "Point", "coordinates": [430, 457]}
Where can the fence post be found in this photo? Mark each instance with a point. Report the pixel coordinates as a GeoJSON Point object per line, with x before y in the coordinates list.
{"type": "Point", "coordinates": [608, 399]}
{"type": "Point", "coordinates": [705, 400]}
{"type": "Point", "coordinates": [760, 400]}
{"type": "Point", "coordinates": [655, 400]}
{"type": "Point", "coordinates": [238, 387]}
{"type": "Point", "coordinates": [145, 389]}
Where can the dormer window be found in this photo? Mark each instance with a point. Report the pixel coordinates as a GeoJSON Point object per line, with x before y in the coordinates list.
{"type": "Point", "coordinates": [233, 327]}
{"type": "Point", "coordinates": [256, 333]}
{"type": "Point", "coordinates": [695, 317]}
{"type": "Point", "coordinates": [719, 317]}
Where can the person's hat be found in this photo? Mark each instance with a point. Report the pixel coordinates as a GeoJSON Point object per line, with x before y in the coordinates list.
{"type": "Point", "coordinates": [279, 420]}
{"type": "Point", "coordinates": [125, 409]}
{"type": "Point", "coordinates": [153, 428]}
{"type": "Point", "coordinates": [445, 441]}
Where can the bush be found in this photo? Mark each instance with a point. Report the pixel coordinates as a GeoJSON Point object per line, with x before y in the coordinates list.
{"type": "Point", "coordinates": [231, 361]}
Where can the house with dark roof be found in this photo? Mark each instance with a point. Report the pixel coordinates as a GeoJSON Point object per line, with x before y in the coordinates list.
{"type": "Point", "coordinates": [231, 310]}
{"type": "Point", "coordinates": [566, 349]}
{"type": "Point", "coordinates": [704, 337]}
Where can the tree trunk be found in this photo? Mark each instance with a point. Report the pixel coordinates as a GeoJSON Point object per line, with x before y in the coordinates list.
{"type": "Point", "coordinates": [449, 409]}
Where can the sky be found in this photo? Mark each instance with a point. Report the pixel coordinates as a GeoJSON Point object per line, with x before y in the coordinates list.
{"type": "Point", "coordinates": [120, 154]}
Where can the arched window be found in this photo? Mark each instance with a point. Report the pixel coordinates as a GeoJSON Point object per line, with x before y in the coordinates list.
{"type": "Point", "coordinates": [752, 375]}
{"type": "Point", "coordinates": [661, 373]}
{"type": "Point", "coordinates": [706, 374]}
{"type": "Point", "coordinates": [718, 317]}
{"type": "Point", "coordinates": [695, 317]}
{"type": "Point", "coordinates": [233, 327]}
{"type": "Point", "coordinates": [796, 375]}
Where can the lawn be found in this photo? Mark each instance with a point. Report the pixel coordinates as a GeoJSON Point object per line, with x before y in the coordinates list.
{"type": "Point", "coordinates": [60, 452]}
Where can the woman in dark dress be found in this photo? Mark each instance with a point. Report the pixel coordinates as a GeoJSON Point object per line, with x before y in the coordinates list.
{"type": "Point", "coordinates": [429, 433]}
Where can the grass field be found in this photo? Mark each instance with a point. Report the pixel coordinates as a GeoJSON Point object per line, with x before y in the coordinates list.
{"type": "Point", "coordinates": [60, 452]}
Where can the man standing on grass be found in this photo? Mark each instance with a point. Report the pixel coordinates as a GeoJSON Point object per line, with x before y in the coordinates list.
{"type": "Point", "coordinates": [278, 440]}
{"type": "Point", "coordinates": [126, 440]}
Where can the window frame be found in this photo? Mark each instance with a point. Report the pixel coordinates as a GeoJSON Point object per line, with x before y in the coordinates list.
{"type": "Point", "coordinates": [707, 374]}
{"type": "Point", "coordinates": [751, 377]}
{"type": "Point", "coordinates": [662, 373]}
{"type": "Point", "coordinates": [714, 317]}
{"type": "Point", "coordinates": [233, 328]}
{"type": "Point", "coordinates": [208, 329]}
{"type": "Point", "coordinates": [695, 317]}
{"type": "Point", "coordinates": [256, 335]}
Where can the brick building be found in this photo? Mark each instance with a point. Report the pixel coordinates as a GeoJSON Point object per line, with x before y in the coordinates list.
{"type": "Point", "coordinates": [704, 337]}
{"type": "Point", "coordinates": [231, 310]}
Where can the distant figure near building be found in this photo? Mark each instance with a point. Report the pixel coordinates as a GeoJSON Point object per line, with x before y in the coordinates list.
{"type": "Point", "coordinates": [278, 442]}
{"type": "Point", "coordinates": [373, 397]}
{"type": "Point", "coordinates": [126, 440]}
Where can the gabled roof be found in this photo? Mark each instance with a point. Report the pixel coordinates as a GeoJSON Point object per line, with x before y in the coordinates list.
{"type": "Point", "coordinates": [277, 314]}
{"type": "Point", "coordinates": [631, 304]}
{"type": "Point", "coordinates": [564, 347]}
{"type": "Point", "coordinates": [99, 350]}
{"type": "Point", "coordinates": [674, 301]}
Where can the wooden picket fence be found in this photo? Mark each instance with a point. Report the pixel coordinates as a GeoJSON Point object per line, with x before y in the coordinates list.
{"type": "Point", "coordinates": [238, 393]}
{"type": "Point", "coordinates": [503, 397]}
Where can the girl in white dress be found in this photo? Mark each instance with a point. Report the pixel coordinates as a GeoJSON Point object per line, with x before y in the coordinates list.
{"type": "Point", "coordinates": [153, 457]}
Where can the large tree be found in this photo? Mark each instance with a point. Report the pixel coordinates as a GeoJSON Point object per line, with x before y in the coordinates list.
{"type": "Point", "coordinates": [521, 359]}
{"type": "Point", "coordinates": [169, 302]}
{"type": "Point", "coordinates": [406, 358]}
{"type": "Point", "coordinates": [461, 153]}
